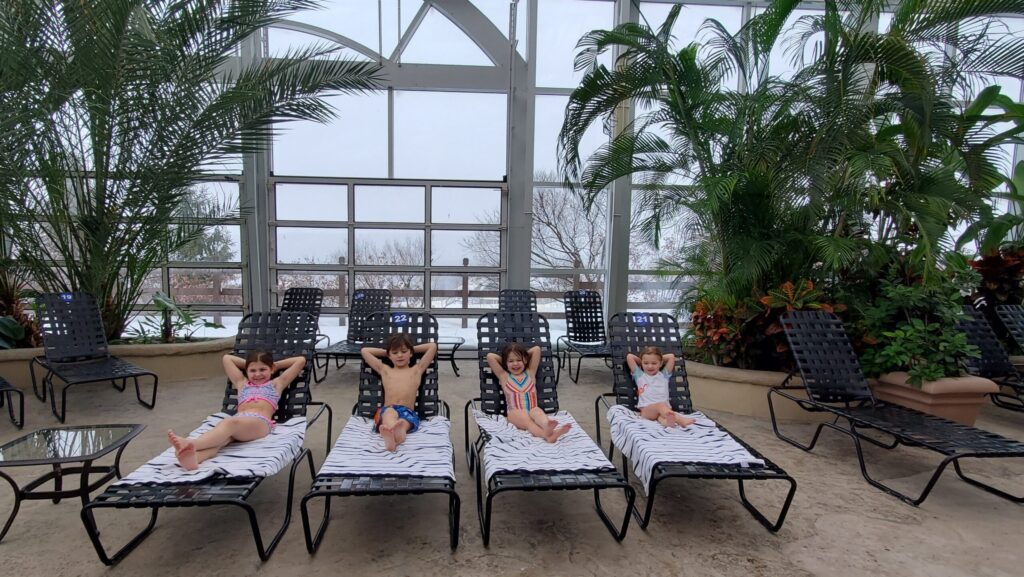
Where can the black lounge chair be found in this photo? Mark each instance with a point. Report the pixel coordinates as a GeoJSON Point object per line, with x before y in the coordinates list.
{"type": "Point", "coordinates": [494, 331]}
{"type": "Point", "coordinates": [75, 351]}
{"type": "Point", "coordinates": [835, 385]}
{"type": "Point", "coordinates": [421, 328]}
{"type": "Point", "coordinates": [287, 335]}
{"type": "Point", "coordinates": [994, 364]}
{"type": "Point", "coordinates": [630, 332]}
{"type": "Point", "coordinates": [308, 300]}
{"type": "Point", "coordinates": [517, 300]}
{"type": "Point", "coordinates": [364, 302]}
{"type": "Point", "coordinates": [584, 331]}
{"type": "Point", "coordinates": [6, 392]}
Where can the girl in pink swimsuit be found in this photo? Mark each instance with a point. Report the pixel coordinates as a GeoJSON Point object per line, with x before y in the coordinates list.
{"type": "Point", "coordinates": [515, 369]}
{"type": "Point", "coordinates": [258, 396]}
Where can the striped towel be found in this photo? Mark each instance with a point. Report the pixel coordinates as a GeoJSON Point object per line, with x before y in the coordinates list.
{"type": "Point", "coordinates": [648, 443]}
{"type": "Point", "coordinates": [360, 451]}
{"type": "Point", "coordinates": [511, 449]}
{"type": "Point", "coordinates": [259, 458]}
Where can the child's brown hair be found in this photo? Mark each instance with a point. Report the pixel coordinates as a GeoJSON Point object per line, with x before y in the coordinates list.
{"type": "Point", "coordinates": [398, 341]}
{"type": "Point", "coordinates": [650, 351]}
{"type": "Point", "coordinates": [514, 349]}
{"type": "Point", "coordinates": [261, 356]}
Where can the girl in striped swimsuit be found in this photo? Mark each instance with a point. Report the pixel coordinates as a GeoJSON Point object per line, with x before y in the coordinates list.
{"type": "Point", "coordinates": [258, 396]}
{"type": "Point", "coordinates": [515, 369]}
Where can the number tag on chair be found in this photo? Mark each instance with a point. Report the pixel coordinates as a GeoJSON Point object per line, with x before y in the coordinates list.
{"type": "Point", "coordinates": [66, 297]}
{"type": "Point", "coordinates": [642, 319]}
{"type": "Point", "coordinates": [399, 318]}
{"type": "Point", "coordinates": [358, 296]}
{"type": "Point", "coordinates": [583, 292]}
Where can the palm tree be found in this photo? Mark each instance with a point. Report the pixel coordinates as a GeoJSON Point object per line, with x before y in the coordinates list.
{"type": "Point", "coordinates": [111, 109]}
{"type": "Point", "coordinates": [868, 149]}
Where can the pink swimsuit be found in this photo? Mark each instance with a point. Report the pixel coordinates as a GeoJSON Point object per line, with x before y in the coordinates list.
{"type": "Point", "coordinates": [251, 393]}
{"type": "Point", "coordinates": [520, 394]}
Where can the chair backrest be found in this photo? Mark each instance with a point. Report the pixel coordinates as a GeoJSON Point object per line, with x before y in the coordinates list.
{"type": "Point", "coordinates": [72, 327]}
{"type": "Point", "coordinates": [303, 299]}
{"type": "Point", "coordinates": [517, 300]}
{"type": "Point", "coordinates": [584, 316]}
{"type": "Point", "coordinates": [365, 302]}
{"type": "Point", "coordinates": [993, 362]}
{"type": "Point", "coordinates": [631, 332]}
{"type": "Point", "coordinates": [1012, 317]}
{"type": "Point", "coordinates": [493, 332]}
{"type": "Point", "coordinates": [421, 328]}
{"type": "Point", "coordinates": [825, 358]}
{"type": "Point", "coordinates": [284, 334]}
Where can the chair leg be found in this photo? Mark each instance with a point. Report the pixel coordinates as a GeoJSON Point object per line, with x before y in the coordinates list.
{"type": "Point", "coordinates": [618, 532]}
{"type": "Point", "coordinates": [791, 441]}
{"type": "Point", "coordinates": [773, 527]}
{"type": "Point", "coordinates": [138, 392]}
{"type": "Point", "coordinates": [120, 388]}
{"type": "Point", "coordinates": [313, 540]}
{"type": "Point", "coordinates": [94, 535]}
{"type": "Point", "coordinates": [40, 392]}
{"type": "Point", "coordinates": [17, 504]}
{"type": "Point", "coordinates": [266, 552]}
{"type": "Point", "coordinates": [984, 486]}
{"type": "Point", "coordinates": [454, 508]}
{"type": "Point", "coordinates": [18, 421]}
{"type": "Point", "coordinates": [1007, 401]}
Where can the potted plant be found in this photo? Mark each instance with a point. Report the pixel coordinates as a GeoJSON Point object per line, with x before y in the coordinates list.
{"type": "Point", "coordinates": [912, 345]}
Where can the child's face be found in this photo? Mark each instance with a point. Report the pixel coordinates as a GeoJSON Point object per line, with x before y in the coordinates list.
{"type": "Point", "coordinates": [258, 372]}
{"type": "Point", "coordinates": [651, 364]}
{"type": "Point", "coordinates": [400, 356]}
{"type": "Point", "coordinates": [516, 364]}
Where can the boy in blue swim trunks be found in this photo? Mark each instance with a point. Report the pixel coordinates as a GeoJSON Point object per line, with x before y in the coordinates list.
{"type": "Point", "coordinates": [401, 382]}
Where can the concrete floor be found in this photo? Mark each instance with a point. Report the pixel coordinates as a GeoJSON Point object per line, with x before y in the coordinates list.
{"type": "Point", "coordinates": [838, 524]}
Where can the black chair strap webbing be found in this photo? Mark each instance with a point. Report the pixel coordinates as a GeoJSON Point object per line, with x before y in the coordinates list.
{"type": "Point", "coordinates": [825, 358]}
{"type": "Point", "coordinates": [72, 327]}
{"type": "Point", "coordinates": [584, 316]}
{"type": "Point", "coordinates": [630, 333]}
{"type": "Point", "coordinates": [517, 300]}
{"type": "Point", "coordinates": [421, 328]}
{"type": "Point", "coordinates": [283, 334]}
{"type": "Point", "coordinates": [363, 303]}
{"type": "Point", "coordinates": [993, 362]}
{"type": "Point", "coordinates": [494, 331]}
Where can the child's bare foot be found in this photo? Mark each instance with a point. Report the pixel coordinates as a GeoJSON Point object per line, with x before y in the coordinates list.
{"type": "Point", "coordinates": [388, 434]}
{"type": "Point", "coordinates": [400, 432]}
{"type": "Point", "coordinates": [549, 428]}
{"type": "Point", "coordinates": [684, 421]}
{"type": "Point", "coordinates": [558, 432]}
{"type": "Point", "coordinates": [185, 450]}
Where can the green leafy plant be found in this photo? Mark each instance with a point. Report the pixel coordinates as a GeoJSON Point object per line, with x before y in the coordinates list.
{"type": "Point", "coordinates": [113, 109]}
{"type": "Point", "coordinates": [11, 332]}
{"type": "Point", "coordinates": [174, 322]}
{"type": "Point", "coordinates": [911, 327]}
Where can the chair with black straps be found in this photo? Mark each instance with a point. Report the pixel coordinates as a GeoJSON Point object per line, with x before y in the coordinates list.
{"type": "Point", "coordinates": [503, 458]}
{"type": "Point", "coordinates": [517, 300]}
{"type": "Point", "coordinates": [835, 385]}
{"type": "Point", "coordinates": [7, 390]}
{"type": "Point", "coordinates": [359, 466]}
{"type": "Point", "coordinates": [364, 302]}
{"type": "Point", "coordinates": [584, 331]}
{"type": "Point", "coordinates": [308, 300]}
{"type": "Point", "coordinates": [232, 476]}
{"type": "Point", "coordinates": [75, 352]}
{"type": "Point", "coordinates": [704, 450]}
{"type": "Point", "coordinates": [994, 364]}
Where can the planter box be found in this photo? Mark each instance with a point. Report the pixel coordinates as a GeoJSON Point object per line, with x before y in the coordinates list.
{"type": "Point", "coordinates": [956, 398]}
{"type": "Point", "coordinates": [173, 362]}
{"type": "Point", "coordinates": [743, 392]}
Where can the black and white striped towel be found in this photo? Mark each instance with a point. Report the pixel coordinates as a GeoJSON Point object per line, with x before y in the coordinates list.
{"type": "Point", "coordinates": [648, 443]}
{"type": "Point", "coordinates": [511, 449]}
{"type": "Point", "coordinates": [360, 451]}
{"type": "Point", "coordinates": [259, 458]}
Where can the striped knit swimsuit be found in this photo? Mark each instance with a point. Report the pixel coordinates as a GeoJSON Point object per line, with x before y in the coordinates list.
{"type": "Point", "coordinates": [520, 394]}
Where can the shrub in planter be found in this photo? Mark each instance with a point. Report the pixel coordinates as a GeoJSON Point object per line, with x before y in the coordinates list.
{"type": "Point", "coordinates": [911, 327]}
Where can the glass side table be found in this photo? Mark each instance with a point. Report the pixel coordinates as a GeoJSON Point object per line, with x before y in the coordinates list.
{"type": "Point", "coordinates": [57, 447]}
{"type": "Point", "coordinates": [446, 347]}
